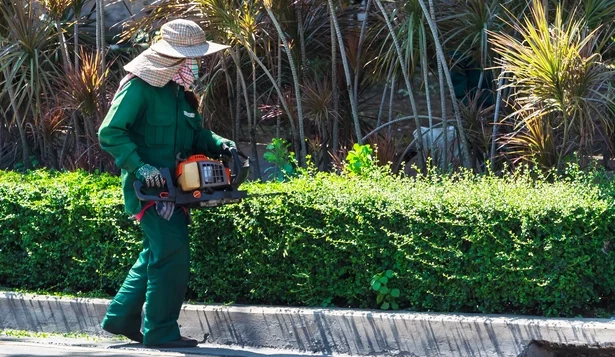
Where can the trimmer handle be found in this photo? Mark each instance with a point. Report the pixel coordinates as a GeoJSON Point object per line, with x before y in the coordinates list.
{"type": "Point", "coordinates": [238, 165]}
{"type": "Point", "coordinates": [167, 195]}
{"type": "Point", "coordinates": [235, 154]}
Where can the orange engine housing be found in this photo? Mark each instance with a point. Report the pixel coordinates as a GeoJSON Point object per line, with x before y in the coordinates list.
{"type": "Point", "coordinates": [199, 172]}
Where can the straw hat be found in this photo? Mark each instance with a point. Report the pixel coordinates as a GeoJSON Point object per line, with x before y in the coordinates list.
{"type": "Point", "coordinates": [185, 39]}
{"type": "Point", "coordinates": [181, 39]}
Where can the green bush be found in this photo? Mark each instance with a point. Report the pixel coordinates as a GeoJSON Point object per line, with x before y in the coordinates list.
{"type": "Point", "coordinates": [64, 231]}
{"type": "Point", "coordinates": [462, 243]}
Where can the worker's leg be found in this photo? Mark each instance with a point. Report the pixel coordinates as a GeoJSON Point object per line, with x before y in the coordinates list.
{"type": "Point", "coordinates": [168, 271]}
{"type": "Point", "coordinates": [124, 313]}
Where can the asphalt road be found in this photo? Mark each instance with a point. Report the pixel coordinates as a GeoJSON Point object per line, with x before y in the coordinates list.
{"type": "Point", "coordinates": [52, 347]}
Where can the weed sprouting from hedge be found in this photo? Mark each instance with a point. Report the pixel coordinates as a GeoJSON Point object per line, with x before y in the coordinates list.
{"type": "Point", "coordinates": [458, 243]}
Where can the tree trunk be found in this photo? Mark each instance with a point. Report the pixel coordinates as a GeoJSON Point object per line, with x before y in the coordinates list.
{"type": "Point", "coordinates": [252, 126]}
{"type": "Point", "coordinates": [495, 121]}
{"type": "Point", "coordinates": [432, 16]}
{"type": "Point", "coordinates": [391, 102]}
{"type": "Point", "coordinates": [335, 132]}
{"type": "Point", "coordinates": [299, 12]}
{"type": "Point", "coordinates": [100, 45]}
{"type": "Point", "coordinates": [77, 131]}
{"type": "Point", "coordinates": [440, 52]}
{"type": "Point", "coordinates": [64, 147]}
{"type": "Point", "coordinates": [359, 50]}
{"type": "Point", "coordinates": [230, 89]}
{"type": "Point", "coordinates": [423, 54]}
{"type": "Point", "coordinates": [245, 96]}
{"type": "Point", "coordinates": [63, 48]}
{"type": "Point", "coordinates": [273, 81]}
{"type": "Point", "coordinates": [384, 96]}
{"type": "Point", "coordinates": [353, 103]}
{"type": "Point", "coordinates": [303, 153]}
{"type": "Point", "coordinates": [278, 119]}
{"type": "Point", "coordinates": [400, 58]}
{"type": "Point", "coordinates": [238, 103]}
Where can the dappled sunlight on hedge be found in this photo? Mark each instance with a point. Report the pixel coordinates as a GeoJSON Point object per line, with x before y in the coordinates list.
{"type": "Point", "coordinates": [460, 243]}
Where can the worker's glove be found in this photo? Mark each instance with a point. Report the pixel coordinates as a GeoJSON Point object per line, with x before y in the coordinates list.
{"type": "Point", "coordinates": [150, 176]}
{"type": "Point", "coordinates": [165, 209]}
{"type": "Point", "coordinates": [227, 146]}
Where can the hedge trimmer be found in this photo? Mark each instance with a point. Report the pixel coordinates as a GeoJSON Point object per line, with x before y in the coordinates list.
{"type": "Point", "coordinates": [201, 182]}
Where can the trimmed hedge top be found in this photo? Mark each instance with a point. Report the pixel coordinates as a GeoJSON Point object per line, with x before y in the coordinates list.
{"type": "Point", "coordinates": [461, 243]}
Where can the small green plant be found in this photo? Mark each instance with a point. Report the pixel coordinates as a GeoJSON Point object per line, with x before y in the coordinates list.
{"type": "Point", "coordinates": [33, 164]}
{"type": "Point", "coordinates": [387, 297]}
{"type": "Point", "coordinates": [359, 159]}
{"type": "Point", "coordinates": [281, 158]}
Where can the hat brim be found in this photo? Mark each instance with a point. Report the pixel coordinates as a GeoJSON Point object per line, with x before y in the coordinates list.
{"type": "Point", "coordinates": [164, 48]}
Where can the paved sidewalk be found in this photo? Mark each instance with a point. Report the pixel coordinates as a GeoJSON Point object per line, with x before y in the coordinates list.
{"type": "Point", "coordinates": [102, 347]}
{"type": "Point", "coordinates": [326, 331]}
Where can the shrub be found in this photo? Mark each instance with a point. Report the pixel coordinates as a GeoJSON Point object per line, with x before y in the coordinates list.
{"type": "Point", "coordinates": [64, 231]}
{"type": "Point", "coordinates": [461, 243]}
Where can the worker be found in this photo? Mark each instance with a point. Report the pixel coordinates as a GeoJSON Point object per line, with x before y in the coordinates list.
{"type": "Point", "coordinates": [154, 118]}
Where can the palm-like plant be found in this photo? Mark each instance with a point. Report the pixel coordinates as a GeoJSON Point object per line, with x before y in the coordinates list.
{"type": "Point", "coordinates": [477, 116]}
{"type": "Point", "coordinates": [533, 144]}
{"type": "Point", "coordinates": [28, 63]}
{"type": "Point", "coordinates": [84, 93]}
{"type": "Point", "coordinates": [318, 106]}
{"type": "Point", "coordinates": [597, 15]}
{"type": "Point", "coordinates": [555, 77]}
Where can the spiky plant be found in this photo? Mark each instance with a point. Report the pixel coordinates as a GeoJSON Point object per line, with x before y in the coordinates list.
{"type": "Point", "coordinates": [28, 63]}
{"type": "Point", "coordinates": [477, 117]}
{"type": "Point", "coordinates": [319, 113]}
{"type": "Point", "coordinates": [83, 92]}
{"type": "Point", "coordinates": [556, 78]}
{"type": "Point", "coordinates": [52, 135]}
{"type": "Point", "coordinates": [533, 144]}
{"type": "Point", "coordinates": [597, 15]}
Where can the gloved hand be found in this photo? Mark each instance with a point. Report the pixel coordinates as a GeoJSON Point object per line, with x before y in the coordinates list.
{"type": "Point", "coordinates": [165, 209]}
{"type": "Point", "coordinates": [227, 145]}
{"type": "Point", "coordinates": [150, 176]}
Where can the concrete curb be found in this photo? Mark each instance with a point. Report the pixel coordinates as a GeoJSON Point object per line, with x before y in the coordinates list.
{"type": "Point", "coordinates": [325, 331]}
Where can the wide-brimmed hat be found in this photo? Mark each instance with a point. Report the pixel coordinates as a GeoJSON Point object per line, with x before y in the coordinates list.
{"type": "Point", "coordinates": [185, 39]}
{"type": "Point", "coordinates": [181, 39]}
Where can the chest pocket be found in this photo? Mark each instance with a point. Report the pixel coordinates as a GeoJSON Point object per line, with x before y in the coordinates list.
{"type": "Point", "coordinates": [193, 124]}
{"type": "Point", "coordinates": [160, 130]}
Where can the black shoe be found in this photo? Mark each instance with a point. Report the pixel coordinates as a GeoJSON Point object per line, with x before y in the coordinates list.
{"type": "Point", "coordinates": [133, 336]}
{"type": "Point", "coordinates": [182, 342]}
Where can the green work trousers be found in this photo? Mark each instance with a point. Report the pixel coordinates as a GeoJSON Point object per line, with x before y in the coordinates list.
{"type": "Point", "coordinates": [158, 279]}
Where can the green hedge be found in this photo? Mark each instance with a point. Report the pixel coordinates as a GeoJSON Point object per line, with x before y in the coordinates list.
{"type": "Point", "coordinates": [463, 244]}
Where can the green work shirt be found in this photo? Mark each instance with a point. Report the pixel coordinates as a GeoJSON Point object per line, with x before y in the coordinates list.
{"type": "Point", "coordinates": [151, 125]}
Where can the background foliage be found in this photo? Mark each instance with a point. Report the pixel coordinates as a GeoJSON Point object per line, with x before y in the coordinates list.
{"type": "Point", "coordinates": [519, 82]}
{"type": "Point", "coordinates": [464, 243]}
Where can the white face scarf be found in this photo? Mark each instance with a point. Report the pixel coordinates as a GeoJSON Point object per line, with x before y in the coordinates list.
{"type": "Point", "coordinates": [187, 74]}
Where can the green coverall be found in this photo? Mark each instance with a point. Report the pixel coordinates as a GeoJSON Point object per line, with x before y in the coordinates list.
{"type": "Point", "coordinates": [151, 125]}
